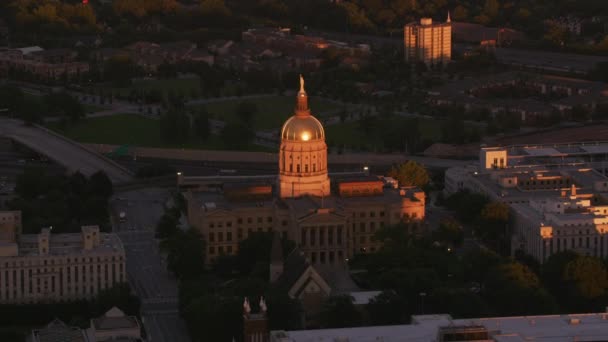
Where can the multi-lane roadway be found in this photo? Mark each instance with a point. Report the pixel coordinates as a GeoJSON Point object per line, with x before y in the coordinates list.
{"type": "Point", "coordinates": [65, 152]}
{"type": "Point", "coordinates": [146, 268]}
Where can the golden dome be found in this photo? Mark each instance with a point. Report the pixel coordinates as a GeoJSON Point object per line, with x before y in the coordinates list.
{"type": "Point", "coordinates": [302, 128]}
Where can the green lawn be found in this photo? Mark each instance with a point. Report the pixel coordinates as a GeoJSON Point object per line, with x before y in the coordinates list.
{"type": "Point", "coordinates": [178, 85]}
{"type": "Point", "coordinates": [131, 129]}
{"type": "Point", "coordinates": [349, 133]}
{"type": "Point", "coordinates": [272, 111]}
{"type": "Point", "coordinates": [88, 108]}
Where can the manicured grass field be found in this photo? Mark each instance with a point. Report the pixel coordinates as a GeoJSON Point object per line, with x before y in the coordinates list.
{"type": "Point", "coordinates": [350, 135]}
{"type": "Point", "coordinates": [131, 129]}
{"type": "Point", "coordinates": [272, 111]}
{"type": "Point", "coordinates": [177, 85]}
{"type": "Point", "coordinates": [93, 108]}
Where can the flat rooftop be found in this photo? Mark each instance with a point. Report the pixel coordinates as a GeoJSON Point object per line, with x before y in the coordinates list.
{"type": "Point", "coordinates": [551, 328]}
{"type": "Point", "coordinates": [69, 244]}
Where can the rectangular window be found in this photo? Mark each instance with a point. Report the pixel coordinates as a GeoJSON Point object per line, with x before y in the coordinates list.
{"type": "Point", "coordinates": [362, 227]}
{"type": "Point", "coordinates": [339, 237]}
{"type": "Point", "coordinates": [321, 236]}
{"type": "Point", "coordinates": [313, 236]}
{"type": "Point", "coordinates": [220, 236]}
{"type": "Point", "coordinates": [211, 237]}
{"type": "Point", "coordinates": [228, 236]}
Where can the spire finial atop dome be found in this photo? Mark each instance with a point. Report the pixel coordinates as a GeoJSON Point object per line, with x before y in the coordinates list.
{"type": "Point", "coordinates": [302, 84]}
{"type": "Point", "coordinates": [302, 103]}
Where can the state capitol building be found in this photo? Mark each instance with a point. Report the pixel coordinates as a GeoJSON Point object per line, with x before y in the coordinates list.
{"type": "Point", "coordinates": [329, 218]}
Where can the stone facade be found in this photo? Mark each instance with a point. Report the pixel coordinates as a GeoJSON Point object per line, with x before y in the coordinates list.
{"type": "Point", "coordinates": [47, 267]}
{"type": "Point", "coordinates": [329, 221]}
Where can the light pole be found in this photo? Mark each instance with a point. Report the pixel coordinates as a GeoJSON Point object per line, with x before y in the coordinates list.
{"type": "Point", "coordinates": [422, 295]}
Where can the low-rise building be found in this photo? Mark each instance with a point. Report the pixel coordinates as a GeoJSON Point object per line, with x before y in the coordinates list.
{"type": "Point", "coordinates": [440, 328]}
{"type": "Point", "coordinates": [46, 64]}
{"type": "Point", "coordinates": [113, 326]}
{"type": "Point", "coordinates": [540, 96]}
{"type": "Point", "coordinates": [558, 200]}
{"type": "Point", "coordinates": [47, 267]}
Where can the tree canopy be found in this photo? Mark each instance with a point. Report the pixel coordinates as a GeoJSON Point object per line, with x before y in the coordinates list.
{"type": "Point", "coordinates": [410, 173]}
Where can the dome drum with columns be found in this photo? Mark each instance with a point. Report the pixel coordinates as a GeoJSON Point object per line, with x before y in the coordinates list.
{"type": "Point", "coordinates": [303, 153]}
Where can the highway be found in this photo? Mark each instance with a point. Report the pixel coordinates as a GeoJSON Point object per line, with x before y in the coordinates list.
{"type": "Point", "coordinates": [146, 268]}
{"type": "Point", "coordinates": [243, 157]}
{"type": "Point", "coordinates": [70, 154]}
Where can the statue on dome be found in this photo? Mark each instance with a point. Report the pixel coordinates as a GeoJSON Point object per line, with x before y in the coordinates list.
{"type": "Point", "coordinates": [301, 84]}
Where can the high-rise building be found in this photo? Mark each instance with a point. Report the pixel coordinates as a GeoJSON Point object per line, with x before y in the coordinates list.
{"type": "Point", "coordinates": [47, 267]}
{"type": "Point", "coordinates": [330, 221]}
{"type": "Point", "coordinates": [428, 42]}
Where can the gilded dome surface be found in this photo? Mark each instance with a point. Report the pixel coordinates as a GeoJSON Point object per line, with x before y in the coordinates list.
{"type": "Point", "coordinates": [302, 128]}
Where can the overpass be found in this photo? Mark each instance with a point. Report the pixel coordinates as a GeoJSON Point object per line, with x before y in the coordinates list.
{"type": "Point", "coordinates": [68, 153]}
{"type": "Point", "coordinates": [240, 157]}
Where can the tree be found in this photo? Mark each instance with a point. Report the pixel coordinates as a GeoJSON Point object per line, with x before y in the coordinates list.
{"type": "Point", "coordinates": [340, 312]}
{"type": "Point", "coordinates": [100, 184]}
{"type": "Point", "coordinates": [410, 174]}
{"type": "Point", "coordinates": [214, 317]}
{"type": "Point", "coordinates": [284, 312]}
{"type": "Point", "coordinates": [553, 269]}
{"type": "Point", "coordinates": [467, 205]}
{"type": "Point", "coordinates": [119, 71]}
{"type": "Point", "coordinates": [246, 112]}
{"type": "Point", "coordinates": [449, 231]}
{"type": "Point", "coordinates": [513, 289]}
{"type": "Point", "coordinates": [237, 136]}
{"type": "Point", "coordinates": [586, 280]}
{"type": "Point", "coordinates": [119, 295]}
{"type": "Point", "coordinates": [11, 98]}
{"type": "Point", "coordinates": [387, 308]}
{"type": "Point", "coordinates": [202, 128]}
{"type": "Point", "coordinates": [167, 226]}
{"type": "Point", "coordinates": [459, 303]}
{"type": "Point", "coordinates": [253, 256]}
{"type": "Point", "coordinates": [494, 218]}
{"type": "Point", "coordinates": [63, 104]}
{"type": "Point", "coordinates": [186, 257]}
{"type": "Point", "coordinates": [175, 126]}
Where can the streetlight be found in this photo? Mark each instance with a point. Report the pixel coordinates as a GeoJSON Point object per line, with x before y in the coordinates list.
{"type": "Point", "coordinates": [422, 295]}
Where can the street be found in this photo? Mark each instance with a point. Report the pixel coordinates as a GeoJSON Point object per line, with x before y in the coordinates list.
{"type": "Point", "coordinates": [146, 270]}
